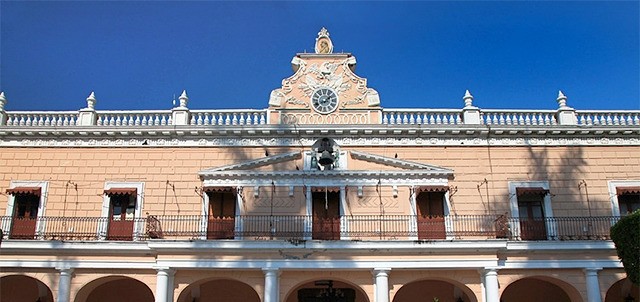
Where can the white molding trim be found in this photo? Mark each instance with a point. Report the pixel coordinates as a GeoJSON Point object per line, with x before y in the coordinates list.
{"type": "Point", "coordinates": [307, 264]}
{"type": "Point", "coordinates": [42, 203]}
{"type": "Point", "coordinates": [239, 202]}
{"type": "Point", "coordinates": [613, 192]}
{"type": "Point", "coordinates": [256, 163]}
{"type": "Point", "coordinates": [331, 178]}
{"type": "Point", "coordinates": [154, 139]}
{"type": "Point", "coordinates": [308, 226]}
{"type": "Point", "coordinates": [138, 228]}
{"type": "Point", "coordinates": [396, 163]}
{"type": "Point", "coordinates": [344, 222]}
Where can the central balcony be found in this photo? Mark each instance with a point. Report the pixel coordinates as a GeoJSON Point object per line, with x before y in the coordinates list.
{"type": "Point", "coordinates": [300, 227]}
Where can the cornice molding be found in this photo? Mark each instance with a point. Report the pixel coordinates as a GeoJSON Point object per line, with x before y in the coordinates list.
{"type": "Point", "coordinates": [283, 135]}
{"type": "Point", "coordinates": [398, 163]}
{"type": "Point", "coordinates": [252, 164]}
{"type": "Point", "coordinates": [324, 178]}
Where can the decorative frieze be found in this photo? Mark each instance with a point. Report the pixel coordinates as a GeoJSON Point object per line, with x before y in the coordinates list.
{"type": "Point", "coordinates": [153, 140]}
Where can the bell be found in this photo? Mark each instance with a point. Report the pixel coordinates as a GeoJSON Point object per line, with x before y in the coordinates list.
{"type": "Point", "coordinates": [326, 158]}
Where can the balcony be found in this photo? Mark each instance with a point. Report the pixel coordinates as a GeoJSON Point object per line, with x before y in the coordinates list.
{"type": "Point", "coordinates": [298, 227]}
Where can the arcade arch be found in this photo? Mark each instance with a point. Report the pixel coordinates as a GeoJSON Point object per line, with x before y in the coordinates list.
{"type": "Point", "coordinates": [434, 290]}
{"type": "Point", "coordinates": [623, 290]}
{"type": "Point", "coordinates": [21, 288]}
{"type": "Point", "coordinates": [210, 290]}
{"type": "Point", "coordinates": [540, 288]}
{"type": "Point", "coordinates": [314, 290]}
{"type": "Point", "coordinates": [115, 288]}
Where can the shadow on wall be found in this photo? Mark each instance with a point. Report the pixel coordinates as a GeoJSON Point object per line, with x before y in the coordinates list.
{"type": "Point", "coordinates": [564, 168]}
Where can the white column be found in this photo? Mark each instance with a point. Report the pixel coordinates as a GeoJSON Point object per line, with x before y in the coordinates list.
{"type": "Point", "coordinates": [593, 285]}
{"type": "Point", "coordinates": [382, 284]}
{"type": "Point", "coordinates": [64, 284]}
{"type": "Point", "coordinates": [164, 288]}
{"type": "Point", "coordinates": [490, 277]}
{"type": "Point", "coordinates": [271, 286]}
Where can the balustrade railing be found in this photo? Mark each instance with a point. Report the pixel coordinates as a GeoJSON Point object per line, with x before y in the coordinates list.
{"type": "Point", "coordinates": [245, 117]}
{"type": "Point", "coordinates": [608, 118]}
{"type": "Point", "coordinates": [421, 117]}
{"type": "Point", "coordinates": [518, 117]}
{"type": "Point", "coordinates": [41, 119]}
{"type": "Point", "coordinates": [134, 118]}
{"type": "Point", "coordinates": [250, 117]}
{"type": "Point", "coordinates": [300, 227]}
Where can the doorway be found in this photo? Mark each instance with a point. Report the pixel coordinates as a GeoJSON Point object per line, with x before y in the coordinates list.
{"type": "Point", "coordinates": [326, 215]}
{"type": "Point", "coordinates": [222, 213]}
{"type": "Point", "coordinates": [431, 223]}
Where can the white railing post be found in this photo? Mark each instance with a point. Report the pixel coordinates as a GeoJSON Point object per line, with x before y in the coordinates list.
{"type": "Point", "coordinates": [3, 114]}
{"type": "Point", "coordinates": [470, 113]}
{"type": "Point", "coordinates": [180, 115]}
{"type": "Point", "coordinates": [87, 116]}
{"type": "Point", "coordinates": [566, 115]}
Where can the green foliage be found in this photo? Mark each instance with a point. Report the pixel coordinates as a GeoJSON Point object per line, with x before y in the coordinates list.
{"type": "Point", "coordinates": [626, 235]}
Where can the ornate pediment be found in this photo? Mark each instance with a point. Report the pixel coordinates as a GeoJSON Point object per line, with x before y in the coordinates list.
{"type": "Point", "coordinates": [324, 83]}
{"type": "Point", "coordinates": [398, 163]}
{"type": "Point", "coordinates": [264, 169]}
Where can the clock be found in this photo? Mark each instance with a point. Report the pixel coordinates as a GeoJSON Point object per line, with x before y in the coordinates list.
{"type": "Point", "coordinates": [324, 100]}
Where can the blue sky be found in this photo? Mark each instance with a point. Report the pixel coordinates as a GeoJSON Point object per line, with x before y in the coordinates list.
{"type": "Point", "coordinates": [137, 55]}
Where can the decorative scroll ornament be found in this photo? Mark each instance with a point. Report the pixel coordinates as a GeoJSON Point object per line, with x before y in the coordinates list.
{"type": "Point", "coordinates": [323, 43]}
{"type": "Point", "coordinates": [325, 76]}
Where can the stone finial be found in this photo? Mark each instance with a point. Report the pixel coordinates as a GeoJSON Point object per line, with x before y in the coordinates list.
{"type": "Point", "coordinates": [562, 100]}
{"type": "Point", "coordinates": [323, 42]}
{"type": "Point", "coordinates": [3, 101]}
{"type": "Point", "coordinates": [184, 99]}
{"type": "Point", "coordinates": [91, 101]}
{"type": "Point", "coordinates": [468, 99]}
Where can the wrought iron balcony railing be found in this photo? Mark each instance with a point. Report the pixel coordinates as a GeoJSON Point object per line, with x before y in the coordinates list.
{"type": "Point", "coordinates": [299, 227]}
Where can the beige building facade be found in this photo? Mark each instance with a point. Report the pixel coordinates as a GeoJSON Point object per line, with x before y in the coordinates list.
{"type": "Point", "coordinates": [323, 196]}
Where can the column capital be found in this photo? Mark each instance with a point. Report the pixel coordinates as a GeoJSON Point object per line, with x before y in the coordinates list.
{"type": "Point", "coordinates": [271, 270]}
{"type": "Point", "coordinates": [165, 271]}
{"type": "Point", "coordinates": [489, 271]}
{"type": "Point", "coordinates": [592, 270]}
{"type": "Point", "coordinates": [381, 270]}
{"type": "Point", "coordinates": [65, 270]}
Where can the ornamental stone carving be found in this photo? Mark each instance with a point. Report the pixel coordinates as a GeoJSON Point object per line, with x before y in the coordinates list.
{"type": "Point", "coordinates": [333, 72]}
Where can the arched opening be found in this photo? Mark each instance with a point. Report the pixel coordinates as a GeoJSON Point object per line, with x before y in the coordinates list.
{"type": "Point", "coordinates": [434, 290]}
{"type": "Point", "coordinates": [623, 290]}
{"type": "Point", "coordinates": [115, 288]}
{"type": "Point", "coordinates": [326, 290]}
{"type": "Point", "coordinates": [533, 289]}
{"type": "Point", "coordinates": [20, 288]}
{"type": "Point", "coordinates": [219, 290]}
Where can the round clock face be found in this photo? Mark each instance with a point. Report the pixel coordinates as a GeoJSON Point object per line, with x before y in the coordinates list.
{"type": "Point", "coordinates": [324, 100]}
